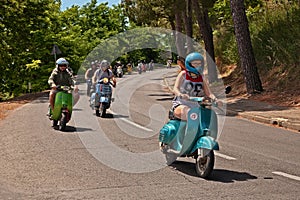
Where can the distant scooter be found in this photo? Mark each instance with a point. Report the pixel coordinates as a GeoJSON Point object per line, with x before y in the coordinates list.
{"type": "Point", "coordinates": [102, 98]}
{"type": "Point", "coordinates": [195, 137]}
{"type": "Point", "coordinates": [63, 106]}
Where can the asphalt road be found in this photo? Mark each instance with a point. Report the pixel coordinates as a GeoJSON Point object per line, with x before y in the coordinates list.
{"type": "Point", "coordinates": [117, 157]}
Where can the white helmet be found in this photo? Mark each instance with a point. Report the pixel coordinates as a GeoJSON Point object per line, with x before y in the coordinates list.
{"type": "Point", "coordinates": [62, 61]}
{"type": "Point", "coordinates": [104, 65]}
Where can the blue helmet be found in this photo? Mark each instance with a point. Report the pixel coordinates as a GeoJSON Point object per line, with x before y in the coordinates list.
{"type": "Point", "coordinates": [191, 57]}
{"type": "Point", "coordinates": [62, 61]}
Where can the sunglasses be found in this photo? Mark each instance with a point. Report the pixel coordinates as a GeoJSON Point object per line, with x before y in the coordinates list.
{"type": "Point", "coordinates": [196, 63]}
{"type": "Point", "coordinates": [62, 65]}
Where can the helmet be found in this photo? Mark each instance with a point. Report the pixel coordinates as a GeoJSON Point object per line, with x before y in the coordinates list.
{"type": "Point", "coordinates": [191, 57]}
{"type": "Point", "coordinates": [62, 61]}
{"type": "Point", "coordinates": [104, 65]}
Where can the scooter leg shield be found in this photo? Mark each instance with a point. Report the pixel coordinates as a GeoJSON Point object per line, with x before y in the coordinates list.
{"type": "Point", "coordinates": [58, 103]}
{"type": "Point", "coordinates": [68, 100]}
{"type": "Point", "coordinates": [191, 131]}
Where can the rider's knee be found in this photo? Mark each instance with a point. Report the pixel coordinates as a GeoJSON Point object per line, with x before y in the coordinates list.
{"type": "Point", "coordinates": [181, 112]}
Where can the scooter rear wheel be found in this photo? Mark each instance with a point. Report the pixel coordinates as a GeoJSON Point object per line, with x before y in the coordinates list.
{"type": "Point", "coordinates": [205, 165]}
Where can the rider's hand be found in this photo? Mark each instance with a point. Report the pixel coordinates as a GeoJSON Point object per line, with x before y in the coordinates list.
{"type": "Point", "coordinates": [218, 102]}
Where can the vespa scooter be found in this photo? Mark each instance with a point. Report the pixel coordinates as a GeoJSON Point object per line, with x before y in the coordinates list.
{"type": "Point", "coordinates": [102, 98]}
{"type": "Point", "coordinates": [196, 137]}
{"type": "Point", "coordinates": [63, 106]}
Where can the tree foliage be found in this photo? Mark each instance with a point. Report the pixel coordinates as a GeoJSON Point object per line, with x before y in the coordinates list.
{"type": "Point", "coordinates": [29, 29]}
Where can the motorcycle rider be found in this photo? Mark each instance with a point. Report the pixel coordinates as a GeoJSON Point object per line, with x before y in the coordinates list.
{"type": "Point", "coordinates": [190, 82]}
{"type": "Point", "coordinates": [104, 72]}
{"type": "Point", "coordinates": [90, 72]}
{"type": "Point", "coordinates": [62, 74]}
{"type": "Point", "coordinates": [89, 75]}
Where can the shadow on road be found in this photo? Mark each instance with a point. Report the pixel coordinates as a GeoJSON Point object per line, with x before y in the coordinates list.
{"type": "Point", "coordinates": [120, 116]}
{"type": "Point", "coordinates": [72, 129]}
{"type": "Point", "coordinates": [167, 97]}
{"type": "Point", "coordinates": [218, 175]}
{"type": "Point", "coordinates": [227, 176]}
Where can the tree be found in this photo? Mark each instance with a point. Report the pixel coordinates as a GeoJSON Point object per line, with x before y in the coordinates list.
{"type": "Point", "coordinates": [245, 50]}
{"type": "Point", "coordinates": [206, 32]}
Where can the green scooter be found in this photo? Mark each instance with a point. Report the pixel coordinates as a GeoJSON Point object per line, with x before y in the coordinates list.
{"type": "Point", "coordinates": [63, 107]}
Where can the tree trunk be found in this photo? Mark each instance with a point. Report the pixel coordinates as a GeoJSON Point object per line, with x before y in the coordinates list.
{"type": "Point", "coordinates": [177, 8]}
{"type": "Point", "coordinates": [188, 24]}
{"type": "Point", "coordinates": [207, 35]}
{"type": "Point", "coordinates": [247, 59]}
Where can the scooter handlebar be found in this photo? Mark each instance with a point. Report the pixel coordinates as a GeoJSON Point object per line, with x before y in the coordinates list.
{"type": "Point", "coordinates": [204, 101]}
{"type": "Point", "coordinates": [64, 88]}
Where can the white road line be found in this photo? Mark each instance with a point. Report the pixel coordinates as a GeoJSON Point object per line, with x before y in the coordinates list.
{"type": "Point", "coordinates": [224, 156]}
{"type": "Point", "coordinates": [132, 123]}
{"type": "Point", "coordinates": [297, 178]}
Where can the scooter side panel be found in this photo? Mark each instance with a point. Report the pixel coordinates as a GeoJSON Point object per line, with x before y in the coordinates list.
{"type": "Point", "coordinates": [168, 132]}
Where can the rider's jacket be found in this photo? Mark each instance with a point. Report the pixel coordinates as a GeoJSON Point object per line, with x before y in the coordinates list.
{"type": "Point", "coordinates": [59, 77]}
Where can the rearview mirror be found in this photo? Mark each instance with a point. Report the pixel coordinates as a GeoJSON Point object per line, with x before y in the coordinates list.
{"type": "Point", "coordinates": [228, 89]}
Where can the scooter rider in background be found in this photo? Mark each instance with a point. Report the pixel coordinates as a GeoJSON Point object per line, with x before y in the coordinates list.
{"type": "Point", "coordinates": [89, 75]}
{"type": "Point", "coordinates": [90, 72]}
{"type": "Point", "coordinates": [104, 72]}
{"type": "Point", "coordinates": [190, 83]}
{"type": "Point", "coordinates": [62, 74]}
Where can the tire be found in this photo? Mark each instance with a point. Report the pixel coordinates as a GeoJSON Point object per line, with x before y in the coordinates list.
{"type": "Point", "coordinates": [54, 123]}
{"type": "Point", "coordinates": [63, 122]}
{"type": "Point", "coordinates": [88, 91]}
{"type": "Point", "coordinates": [102, 110]}
{"type": "Point", "coordinates": [97, 113]}
{"type": "Point", "coordinates": [205, 165]}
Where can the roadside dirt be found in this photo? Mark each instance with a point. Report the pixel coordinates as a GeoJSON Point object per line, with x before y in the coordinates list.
{"type": "Point", "coordinates": [278, 90]}
{"type": "Point", "coordinates": [7, 106]}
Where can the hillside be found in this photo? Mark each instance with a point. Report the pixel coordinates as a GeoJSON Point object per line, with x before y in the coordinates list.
{"type": "Point", "coordinates": [280, 87]}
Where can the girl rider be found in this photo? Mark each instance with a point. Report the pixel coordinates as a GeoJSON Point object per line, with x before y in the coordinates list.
{"type": "Point", "coordinates": [190, 82]}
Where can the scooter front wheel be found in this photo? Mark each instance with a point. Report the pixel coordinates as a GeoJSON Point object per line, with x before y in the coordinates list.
{"type": "Point", "coordinates": [102, 110]}
{"type": "Point", "coordinates": [63, 122]}
{"type": "Point", "coordinates": [205, 164]}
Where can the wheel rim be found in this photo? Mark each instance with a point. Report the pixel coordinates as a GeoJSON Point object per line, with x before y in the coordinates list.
{"type": "Point", "coordinates": [205, 165]}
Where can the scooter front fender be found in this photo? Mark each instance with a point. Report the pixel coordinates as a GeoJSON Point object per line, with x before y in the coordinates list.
{"type": "Point", "coordinates": [206, 142]}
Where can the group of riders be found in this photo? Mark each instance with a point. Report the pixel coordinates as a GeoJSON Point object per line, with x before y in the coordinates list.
{"type": "Point", "coordinates": [190, 81]}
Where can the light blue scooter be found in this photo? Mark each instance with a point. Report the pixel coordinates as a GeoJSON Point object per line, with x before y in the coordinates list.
{"type": "Point", "coordinates": [101, 99]}
{"type": "Point", "coordinates": [195, 137]}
